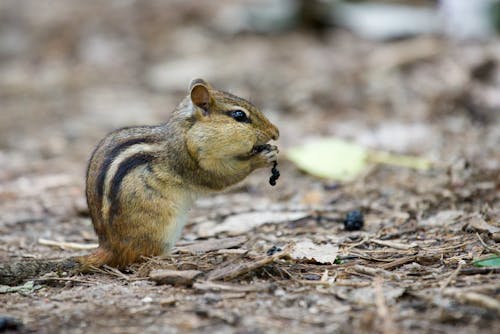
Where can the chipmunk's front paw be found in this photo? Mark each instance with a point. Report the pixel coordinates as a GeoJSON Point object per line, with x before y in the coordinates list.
{"type": "Point", "coordinates": [271, 154]}
{"type": "Point", "coordinates": [267, 155]}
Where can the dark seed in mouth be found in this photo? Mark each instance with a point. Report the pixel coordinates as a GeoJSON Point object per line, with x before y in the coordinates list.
{"type": "Point", "coordinates": [260, 148]}
{"type": "Point", "coordinates": [275, 174]}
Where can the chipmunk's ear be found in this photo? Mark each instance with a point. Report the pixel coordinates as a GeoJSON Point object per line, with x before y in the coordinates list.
{"type": "Point", "coordinates": [200, 94]}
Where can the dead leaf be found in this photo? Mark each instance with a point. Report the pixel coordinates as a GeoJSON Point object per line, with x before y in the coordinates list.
{"type": "Point", "coordinates": [366, 295]}
{"type": "Point", "coordinates": [244, 222]}
{"type": "Point", "coordinates": [330, 158]}
{"type": "Point", "coordinates": [443, 218]}
{"type": "Point", "coordinates": [478, 224]}
{"type": "Point", "coordinates": [307, 250]}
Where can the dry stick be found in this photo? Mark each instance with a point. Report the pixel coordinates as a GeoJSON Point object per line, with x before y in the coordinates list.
{"type": "Point", "coordinates": [66, 245]}
{"type": "Point", "coordinates": [388, 325]}
{"type": "Point", "coordinates": [364, 240]}
{"type": "Point", "coordinates": [392, 244]}
{"type": "Point", "coordinates": [420, 257]}
{"type": "Point", "coordinates": [64, 279]}
{"type": "Point", "coordinates": [453, 275]}
{"type": "Point", "coordinates": [449, 247]}
{"type": "Point", "coordinates": [230, 287]}
{"type": "Point", "coordinates": [488, 248]}
{"type": "Point", "coordinates": [476, 271]}
{"type": "Point", "coordinates": [115, 272]}
{"type": "Point", "coordinates": [364, 256]}
{"type": "Point", "coordinates": [349, 283]}
{"type": "Point", "coordinates": [232, 271]}
{"type": "Point", "coordinates": [376, 272]}
{"type": "Point", "coordinates": [321, 283]}
{"type": "Point", "coordinates": [476, 299]}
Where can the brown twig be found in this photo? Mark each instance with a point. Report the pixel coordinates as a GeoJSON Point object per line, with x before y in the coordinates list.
{"type": "Point", "coordinates": [475, 299]}
{"type": "Point", "coordinates": [392, 244]}
{"type": "Point", "coordinates": [488, 248]}
{"type": "Point", "coordinates": [63, 279]}
{"type": "Point", "coordinates": [388, 325]}
{"type": "Point", "coordinates": [376, 272]}
{"type": "Point", "coordinates": [231, 271]}
{"type": "Point", "coordinates": [399, 262]}
{"type": "Point", "coordinates": [453, 275]}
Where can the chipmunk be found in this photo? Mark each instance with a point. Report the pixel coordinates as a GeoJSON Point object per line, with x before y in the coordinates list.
{"type": "Point", "coordinates": [142, 180]}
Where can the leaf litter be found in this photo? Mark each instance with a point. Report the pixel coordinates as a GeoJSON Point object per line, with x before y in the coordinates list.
{"type": "Point", "coordinates": [414, 267]}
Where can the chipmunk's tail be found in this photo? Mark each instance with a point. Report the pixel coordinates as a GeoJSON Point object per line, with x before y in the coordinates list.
{"type": "Point", "coordinates": [15, 272]}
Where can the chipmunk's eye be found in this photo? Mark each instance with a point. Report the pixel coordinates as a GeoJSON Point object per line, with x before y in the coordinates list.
{"type": "Point", "coordinates": [239, 116]}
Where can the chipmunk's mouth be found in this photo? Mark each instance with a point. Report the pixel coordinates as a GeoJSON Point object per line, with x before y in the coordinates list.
{"type": "Point", "coordinates": [259, 148]}
{"type": "Point", "coordinates": [255, 150]}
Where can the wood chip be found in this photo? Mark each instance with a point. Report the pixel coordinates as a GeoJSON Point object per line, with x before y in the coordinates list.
{"type": "Point", "coordinates": [174, 277]}
{"type": "Point", "coordinates": [66, 245]}
{"type": "Point", "coordinates": [216, 286]}
{"type": "Point", "coordinates": [210, 245]}
{"type": "Point", "coordinates": [168, 301]}
{"type": "Point", "coordinates": [238, 251]}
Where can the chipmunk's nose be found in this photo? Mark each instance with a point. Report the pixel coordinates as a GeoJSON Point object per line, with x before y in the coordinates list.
{"type": "Point", "coordinates": [274, 132]}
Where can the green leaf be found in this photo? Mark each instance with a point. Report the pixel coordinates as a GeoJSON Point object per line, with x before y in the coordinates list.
{"type": "Point", "coordinates": [335, 159]}
{"type": "Point", "coordinates": [25, 289]}
{"type": "Point", "coordinates": [399, 160]}
{"type": "Point", "coordinates": [330, 158]}
{"type": "Point", "coordinates": [493, 261]}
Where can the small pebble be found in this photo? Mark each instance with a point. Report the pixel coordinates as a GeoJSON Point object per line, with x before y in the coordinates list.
{"type": "Point", "coordinates": [147, 300]}
{"type": "Point", "coordinates": [9, 323]}
{"type": "Point", "coordinates": [312, 277]}
{"type": "Point", "coordinates": [354, 220]}
{"type": "Point", "coordinates": [211, 298]}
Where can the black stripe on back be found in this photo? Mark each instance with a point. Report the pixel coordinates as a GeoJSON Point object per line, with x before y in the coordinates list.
{"type": "Point", "coordinates": [109, 160]}
{"type": "Point", "coordinates": [125, 167]}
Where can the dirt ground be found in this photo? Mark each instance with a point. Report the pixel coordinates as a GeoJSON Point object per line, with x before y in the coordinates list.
{"type": "Point", "coordinates": [70, 71]}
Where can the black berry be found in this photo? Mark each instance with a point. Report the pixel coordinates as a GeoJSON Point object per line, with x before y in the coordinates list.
{"type": "Point", "coordinates": [354, 220]}
{"type": "Point", "coordinates": [275, 174]}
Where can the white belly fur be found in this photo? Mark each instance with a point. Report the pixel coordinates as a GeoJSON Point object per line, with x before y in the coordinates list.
{"type": "Point", "coordinates": [173, 230]}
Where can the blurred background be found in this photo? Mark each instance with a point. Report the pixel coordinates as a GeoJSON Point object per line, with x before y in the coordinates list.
{"type": "Point", "coordinates": [411, 76]}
